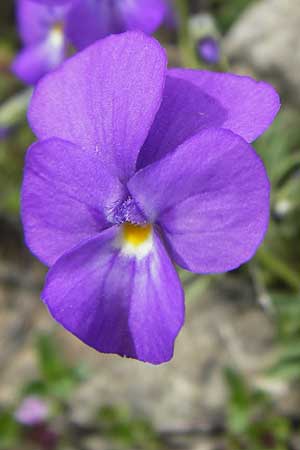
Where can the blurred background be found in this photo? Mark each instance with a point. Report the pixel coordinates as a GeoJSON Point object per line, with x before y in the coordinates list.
{"type": "Point", "coordinates": [233, 383]}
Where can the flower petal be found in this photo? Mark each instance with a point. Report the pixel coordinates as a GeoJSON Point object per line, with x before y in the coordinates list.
{"type": "Point", "coordinates": [211, 199]}
{"type": "Point", "coordinates": [251, 106]}
{"type": "Point", "coordinates": [184, 112]}
{"type": "Point", "coordinates": [91, 20]}
{"type": "Point", "coordinates": [35, 61]}
{"type": "Point", "coordinates": [117, 303]}
{"type": "Point", "coordinates": [105, 97]}
{"type": "Point", "coordinates": [144, 15]}
{"type": "Point", "coordinates": [65, 196]}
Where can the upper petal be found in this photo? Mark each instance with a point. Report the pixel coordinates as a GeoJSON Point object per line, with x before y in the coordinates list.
{"type": "Point", "coordinates": [117, 303]}
{"type": "Point", "coordinates": [104, 98]}
{"type": "Point", "coordinates": [185, 110]}
{"type": "Point", "coordinates": [251, 106]}
{"type": "Point", "coordinates": [211, 199]}
{"type": "Point", "coordinates": [90, 20]}
{"type": "Point", "coordinates": [144, 15]}
{"type": "Point", "coordinates": [66, 194]}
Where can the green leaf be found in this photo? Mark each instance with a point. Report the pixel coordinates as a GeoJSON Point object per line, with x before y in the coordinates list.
{"type": "Point", "coordinates": [239, 402]}
{"type": "Point", "coordinates": [279, 143]}
{"type": "Point", "coordinates": [286, 370]}
{"type": "Point", "coordinates": [227, 12]}
{"type": "Point", "coordinates": [131, 432]}
{"type": "Point", "coordinates": [51, 363]}
{"type": "Point", "coordinates": [10, 431]}
{"type": "Point", "coordinates": [35, 387]}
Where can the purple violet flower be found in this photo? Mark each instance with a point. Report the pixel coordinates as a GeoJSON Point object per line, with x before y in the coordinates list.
{"type": "Point", "coordinates": [208, 49]}
{"type": "Point", "coordinates": [32, 411]}
{"type": "Point", "coordinates": [42, 29]}
{"type": "Point", "coordinates": [54, 2]}
{"type": "Point", "coordinates": [139, 167]}
{"type": "Point", "coordinates": [49, 27]}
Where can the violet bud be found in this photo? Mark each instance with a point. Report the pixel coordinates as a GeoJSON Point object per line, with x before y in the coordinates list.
{"type": "Point", "coordinates": [208, 49]}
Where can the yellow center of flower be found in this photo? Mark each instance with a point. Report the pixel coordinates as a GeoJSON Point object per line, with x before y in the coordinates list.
{"type": "Point", "coordinates": [58, 27]}
{"type": "Point", "coordinates": [136, 235]}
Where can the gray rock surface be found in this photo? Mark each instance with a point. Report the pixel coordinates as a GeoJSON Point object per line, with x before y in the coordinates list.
{"type": "Point", "coordinates": [266, 39]}
{"type": "Point", "coordinates": [189, 390]}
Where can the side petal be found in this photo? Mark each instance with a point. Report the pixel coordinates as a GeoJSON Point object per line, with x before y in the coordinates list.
{"type": "Point", "coordinates": [211, 199]}
{"type": "Point", "coordinates": [184, 112]}
{"type": "Point", "coordinates": [105, 97]}
{"type": "Point", "coordinates": [35, 61]}
{"type": "Point", "coordinates": [251, 105]}
{"type": "Point", "coordinates": [66, 194]}
{"type": "Point", "coordinates": [90, 20]}
{"type": "Point", "coordinates": [117, 303]}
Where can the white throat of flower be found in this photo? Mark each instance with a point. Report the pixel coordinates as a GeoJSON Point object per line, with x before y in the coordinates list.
{"type": "Point", "coordinates": [56, 36]}
{"type": "Point", "coordinates": [135, 240]}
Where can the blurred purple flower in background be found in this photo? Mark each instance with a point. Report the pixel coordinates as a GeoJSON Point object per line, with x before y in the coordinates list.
{"type": "Point", "coordinates": [42, 29]}
{"type": "Point", "coordinates": [48, 28]}
{"type": "Point", "coordinates": [145, 170]}
{"type": "Point", "coordinates": [32, 411]}
{"type": "Point", "coordinates": [208, 49]}
{"type": "Point", "coordinates": [94, 19]}
{"type": "Point", "coordinates": [3, 132]}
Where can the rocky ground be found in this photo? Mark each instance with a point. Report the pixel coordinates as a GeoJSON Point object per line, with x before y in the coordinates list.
{"type": "Point", "coordinates": [266, 40]}
{"type": "Point", "coordinates": [184, 398]}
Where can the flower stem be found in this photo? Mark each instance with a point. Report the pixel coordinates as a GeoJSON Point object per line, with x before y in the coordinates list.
{"type": "Point", "coordinates": [279, 268]}
{"type": "Point", "coordinates": [187, 52]}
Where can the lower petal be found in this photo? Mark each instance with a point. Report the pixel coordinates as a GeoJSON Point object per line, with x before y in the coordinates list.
{"type": "Point", "coordinates": [117, 302]}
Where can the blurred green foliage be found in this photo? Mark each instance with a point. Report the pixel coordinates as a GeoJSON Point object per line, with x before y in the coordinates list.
{"type": "Point", "coordinates": [287, 313]}
{"type": "Point", "coordinates": [252, 420]}
{"type": "Point", "coordinates": [228, 11]}
{"type": "Point", "coordinates": [10, 431]}
{"type": "Point", "coordinates": [127, 430]}
{"type": "Point", "coordinates": [56, 378]}
{"type": "Point", "coordinates": [12, 152]}
{"type": "Point", "coordinates": [279, 147]}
